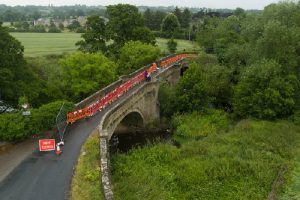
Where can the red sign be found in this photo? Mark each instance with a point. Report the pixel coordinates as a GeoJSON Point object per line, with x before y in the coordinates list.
{"type": "Point", "coordinates": [47, 145]}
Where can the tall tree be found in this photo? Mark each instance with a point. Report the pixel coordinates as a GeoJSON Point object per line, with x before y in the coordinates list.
{"type": "Point", "coordinates": [11, 63]}
{"type": "Point", "coordinates": [124, 21]}
{"type": "Point", "coordinates": [148, 16]}
{"type": "Point", "coordinates": [94, 37]}
{"type": "Point", "coordinates": [178, 14]}
{"type": "Point", "coordinates": [170, 25]}
{"type": "Point", "coordinates": [85, 73]}
{"type": "Point", "coordinates": [186, 18]}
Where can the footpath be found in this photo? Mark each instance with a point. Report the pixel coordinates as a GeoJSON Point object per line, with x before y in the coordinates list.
{"type": "Point", "coordinates": [11, 155]}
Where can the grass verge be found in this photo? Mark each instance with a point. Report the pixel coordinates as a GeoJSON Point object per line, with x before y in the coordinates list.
{"type": "Point", "coordinates": [86, 180]}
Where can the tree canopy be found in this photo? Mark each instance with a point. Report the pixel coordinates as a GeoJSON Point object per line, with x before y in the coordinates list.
{"type": "Point", "coordinates": [124, 23]}
{"type": "Point", "coordinates": [12, 66]}
{"type": "Point", "coordinates": [84, 73]}
{"type": "Point", "coordinates": [170, 25]}
{"type": "Point", "coordinates": [95, 35]}
{"type": "Point", "coordinates": [135, 55]}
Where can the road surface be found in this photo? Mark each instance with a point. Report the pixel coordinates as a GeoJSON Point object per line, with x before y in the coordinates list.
{"type": "Point", "coordinates": [46, 176]}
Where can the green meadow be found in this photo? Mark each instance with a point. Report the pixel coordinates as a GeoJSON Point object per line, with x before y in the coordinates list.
{"type": "Point", "coordinates": [40, 44]}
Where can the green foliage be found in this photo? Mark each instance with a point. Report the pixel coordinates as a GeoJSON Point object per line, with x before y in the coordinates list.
{"type": "Point", "coordinates": [241, 164]}
{"type": "Point", "coordinates": [125, 24]}
{"type": "Point", "coordinates": [186, 18]}
{"type": "Point", "coordinates": [16, 78]}
{"type": "Point", "coordinates": [53, 29]}
{"type": "Point", "coordinates": [296, 118]}
{"type": "Point", "coordinates": [167, 100]}
{"type": "Point", "coordinates": [153, 19]}
{"type": "Point", "coordinates": [22, 100]}
{"type": "Point", "coordinates": [74, 25]}
{"type": "Point", "coordinates": [43, 118]}
{"type": "Point", "coordinates": [280, 46]}
{"type": "Point", "coordinates": [198, 125]}
{"type": "Point", "coordinates": [265, 91]}
{"type": "Point", "coordinates": [170, 25]}
{"type": "Point", "coordinates": [14, 127]}
{"type": "Point", "coordinates": [172, 45]}
{"type": "Point", "coordinates": [86, 182]}
{"type": "Point", "coordinates": [94, 37]}
{"type": "Point", "coordinates": [202, 86]}
{"type": "Point", "coordinates": [84, 73]}
{"type": "Point", "coordinates": [134, 55]}
{"type": "Point", "coordinates": [264, 45]}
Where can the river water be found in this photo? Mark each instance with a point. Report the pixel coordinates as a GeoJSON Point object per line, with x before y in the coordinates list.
{"type": "Point", "coordinates": [124, 142]}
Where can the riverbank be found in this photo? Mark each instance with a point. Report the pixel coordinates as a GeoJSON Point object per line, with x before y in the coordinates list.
{"type": "Point", "coordinates": [242, 163]}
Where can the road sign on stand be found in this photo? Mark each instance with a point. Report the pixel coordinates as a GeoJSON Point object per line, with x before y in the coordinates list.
{"type": "Point", "coordinates": [47, 145]}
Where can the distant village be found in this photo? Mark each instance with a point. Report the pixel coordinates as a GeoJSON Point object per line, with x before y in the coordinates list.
{"type": "Point", "coordinates": [67, 22]}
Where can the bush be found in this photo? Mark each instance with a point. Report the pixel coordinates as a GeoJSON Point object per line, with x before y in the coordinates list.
{"type": "Point", "coordinates": [296, 118]}
{"type": "Point", "coordinates": [197, 125]}
{"type": "Point", "coordinates": [266, 91]}
{"type": "Point", "coordinates": [172, 45]}
{"type": "Point", "coordinates": [15, 127]}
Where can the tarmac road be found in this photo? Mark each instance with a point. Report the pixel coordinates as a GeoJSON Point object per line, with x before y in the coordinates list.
{"type": "Point", "coordinates": [46, 176]}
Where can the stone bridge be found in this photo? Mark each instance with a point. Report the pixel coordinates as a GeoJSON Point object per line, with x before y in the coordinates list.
{"type": "Point", "coordinates": [140, 104]}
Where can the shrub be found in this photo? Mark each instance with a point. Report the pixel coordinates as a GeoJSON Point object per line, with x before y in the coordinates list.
{"type": "Point", "coordinates": [197, 125]}
{"type": "Point", "coordinates": [15, 127]}
{"type": "Point", "coordinates": [266, 91]}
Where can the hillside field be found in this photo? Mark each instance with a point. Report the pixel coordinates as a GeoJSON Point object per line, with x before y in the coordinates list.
{"type": "Point", "coordinates": [40, 44]}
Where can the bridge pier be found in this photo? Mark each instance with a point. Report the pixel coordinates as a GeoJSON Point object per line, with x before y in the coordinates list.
{"type": "Point", "coordinates": [105, 162]}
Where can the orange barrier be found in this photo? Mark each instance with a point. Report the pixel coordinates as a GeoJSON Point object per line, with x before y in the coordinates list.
{"type": "Point", "coordinates": [119, 91]}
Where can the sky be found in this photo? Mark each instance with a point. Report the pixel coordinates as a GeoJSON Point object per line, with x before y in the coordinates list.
{"type": "Point", "coordinates": [246, 4]}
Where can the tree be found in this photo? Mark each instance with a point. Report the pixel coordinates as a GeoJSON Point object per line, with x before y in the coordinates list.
{"type": "Point", "coordinates": [204, 84]}
{"type": "Point", "coordinates": [124, 20]}
{"type": "Point", "coordinates": [148, 16]}
{"type": "Point", "coordinates": [170, 25]}
{"type": "Point", "coordinates": [279, 42]}
{"type": "Point", "coordinates": [177, 12]}
{"type": "Point", "coordinates": [74, 25]}
{"type": "Point", "coordinates": [84, 73]}
{"type": "Point", "coordinates": [239, 12]}
{"type": "Point", "coordinates": [94, 37]}
{"type": "Point", "coordinates": [186, 18]}
{"type": "Point", "coordinates": [11, 64]}
{"type": "Point", "coordinates": [61, 26]}
{"type": "Point", "coordinates": [135, 55]}
{"type": "Point", "coordinates": [265, 91]}
{"type": "Point", "coordinates": [153, 19]}
{"type": "Point", "coordinates": [158, 17]}
{"type": "Point", "coordinates": [172, 45]}
{"type": "Point", "coordinates": [53, 28]}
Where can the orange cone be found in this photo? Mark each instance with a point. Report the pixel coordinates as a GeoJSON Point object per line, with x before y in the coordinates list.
{"type": "Point", "coordinates": [58, 151]}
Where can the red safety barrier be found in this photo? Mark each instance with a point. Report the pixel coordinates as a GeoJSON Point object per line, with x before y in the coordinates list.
{"type": "Point", "coordinates": [119, 91]}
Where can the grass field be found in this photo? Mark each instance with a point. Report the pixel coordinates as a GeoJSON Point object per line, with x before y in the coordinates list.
{"type": "Point", "coordinates": [181, 45]}
{"type": "Point", "coordinates": [40, 44]}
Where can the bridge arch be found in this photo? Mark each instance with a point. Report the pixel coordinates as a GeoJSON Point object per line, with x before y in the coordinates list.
{"type": "Point", "coordinates": [128, 116]}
